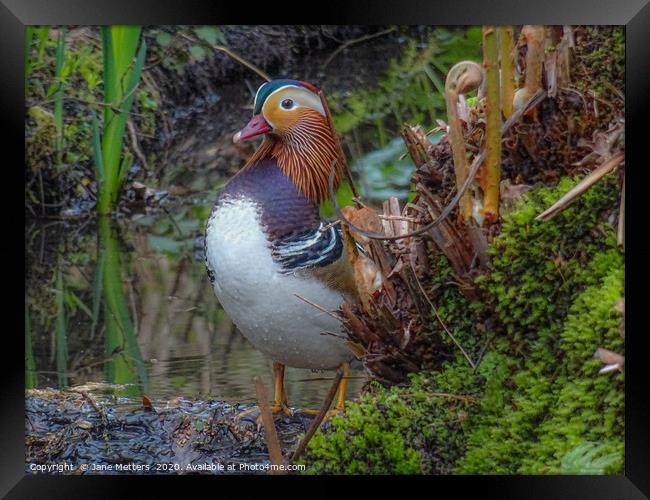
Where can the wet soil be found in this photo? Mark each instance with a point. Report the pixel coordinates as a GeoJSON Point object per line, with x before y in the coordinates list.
{"type": "Point", "coordinates": [89, 433]}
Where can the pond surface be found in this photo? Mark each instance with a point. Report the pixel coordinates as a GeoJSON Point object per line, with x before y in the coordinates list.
{"type": "Point", "coordinates": [128, 302]}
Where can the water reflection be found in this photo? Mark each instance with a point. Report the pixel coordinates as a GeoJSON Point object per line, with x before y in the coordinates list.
{"type": "Point", "coordinates": [124, 364]}
{"type": "Point", "coordinates": [128, 302]}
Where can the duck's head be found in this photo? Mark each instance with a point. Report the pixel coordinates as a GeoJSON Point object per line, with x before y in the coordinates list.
{"type": "Point", "coordinates": [281, 106]}
{"type": "Point", "coordinates": [297, 133]}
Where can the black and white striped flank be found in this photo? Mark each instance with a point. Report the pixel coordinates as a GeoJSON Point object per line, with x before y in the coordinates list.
{"type": "Point", "coordinates": [314, 248]}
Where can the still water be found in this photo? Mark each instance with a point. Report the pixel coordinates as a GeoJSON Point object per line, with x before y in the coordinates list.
{"type": "Point", "coordinates": [127, 301]}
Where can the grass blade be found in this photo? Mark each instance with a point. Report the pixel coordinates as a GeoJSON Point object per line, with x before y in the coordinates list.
{"type": "Point", "coordinates": [29, 36]}
{"type": "Point", "coordinates": [97, 152]}
{"type": "Point", "coordinates": [58, 99]}
{"type": "Point", "coordinates": [42, 34]}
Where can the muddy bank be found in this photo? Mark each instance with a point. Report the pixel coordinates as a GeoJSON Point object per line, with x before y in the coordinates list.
{"type": "Point", "coordinates": [81, 432]}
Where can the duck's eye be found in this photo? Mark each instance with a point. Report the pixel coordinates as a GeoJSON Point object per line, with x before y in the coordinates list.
{"type": "Point", "coordinates": [287, 103]}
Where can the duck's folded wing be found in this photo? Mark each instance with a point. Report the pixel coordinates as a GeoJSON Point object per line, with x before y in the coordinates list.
{"type": "Point", "coordinates": [318, 247]}
{"type": "Point", "coordinates": [318, 253]}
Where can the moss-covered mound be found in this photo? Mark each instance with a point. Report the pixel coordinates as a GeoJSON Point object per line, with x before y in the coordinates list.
{"type": "Point", "coordinates": [536, 400]}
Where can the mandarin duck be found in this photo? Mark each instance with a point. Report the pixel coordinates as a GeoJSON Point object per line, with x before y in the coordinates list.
{"type": "Point", "coordinates": [268, 253]}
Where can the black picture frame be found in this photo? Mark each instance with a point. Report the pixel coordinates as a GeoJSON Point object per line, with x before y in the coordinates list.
{"type": "Point", "coordinates": [634, 14]}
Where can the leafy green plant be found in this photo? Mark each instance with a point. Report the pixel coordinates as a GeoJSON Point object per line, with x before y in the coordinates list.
{"type": "Point", "coordinates": [412, 89]}
{"type": "Point", "coordinates": [185, 44]}
{"type": "Point", "coordinates": [121, 77]}
{"type": "Point", "coordinates": [588, 458]}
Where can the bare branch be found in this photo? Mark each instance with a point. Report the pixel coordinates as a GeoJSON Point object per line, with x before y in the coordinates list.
{"type": "Point", "coordinates": [302, 446]}
{"type": "Point", "coordinates": [353, 42]}
{"type": "Point", "coordinates": [580, 188]}
{"type": "Point", "coordinates": [231, 54]}
{"type": "Point", "coordinates": [270, 432]}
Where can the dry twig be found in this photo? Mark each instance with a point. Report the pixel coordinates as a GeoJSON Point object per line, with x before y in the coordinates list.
{"type": "Point", "coordinates": [580, 188]}
{"type": "Point", "coordinates": [302, 446]}
{"type": "Point", "coordinates": [451, 335]}
{"type": "Point", "coordinates": [345, 45]}
{"type": "Point", "coordinates": [231, 54]}
{"type": "Point", "coordinates": [320, 308]}
{"type": "Point", "coordinates": [270, 433]}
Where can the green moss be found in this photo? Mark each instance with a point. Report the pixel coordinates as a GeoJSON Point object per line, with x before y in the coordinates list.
{"type": "Point", "coordinates": [547, 304]}
{"type": "Point", "coordinates": [552, 399]}
{"type": "Point", "coordinates": [362, 443]}
{"type": "Point", "coordinates": [398, 430]}
{"type": "Point", "coordinates": [600, 53]}
{"type": "Point", "coordinates": [553, 288]}
{"type": "Point", "coordinates": [586, 407]}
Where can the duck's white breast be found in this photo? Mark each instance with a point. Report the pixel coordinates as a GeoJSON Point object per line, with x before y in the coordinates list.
{"type": "Point", "coordinates": [261, 300]}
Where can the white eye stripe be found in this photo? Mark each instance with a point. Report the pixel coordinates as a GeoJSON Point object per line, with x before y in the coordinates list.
{"type": "Point", "coordinates": [301, 97]}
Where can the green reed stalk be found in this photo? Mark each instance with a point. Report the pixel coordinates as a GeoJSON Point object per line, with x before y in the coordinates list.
{"type": "Point", "coordinates": [58, 96]}
{"type": "Point", "coordinates": [42, 34]}
{"type": "Point", "coordinates": [98, 287]}
{"type": "Point", "coordinates": [122, 70]}
{"type": "Point", "coordinates": [506, 56]}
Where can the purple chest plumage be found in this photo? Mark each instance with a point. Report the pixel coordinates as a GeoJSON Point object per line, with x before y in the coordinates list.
{"type": "Point", "coordinates": [284, 210]}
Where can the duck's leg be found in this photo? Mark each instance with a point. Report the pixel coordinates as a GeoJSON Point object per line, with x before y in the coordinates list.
{"type": "Point", "coordinates": [343, 385]}
{"type": "Point", "coordinates": [280, 397]}
{"type": "Point", "coordinates": [340, 397]}
{"type": "Point", "coordinates": [281, 404]}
